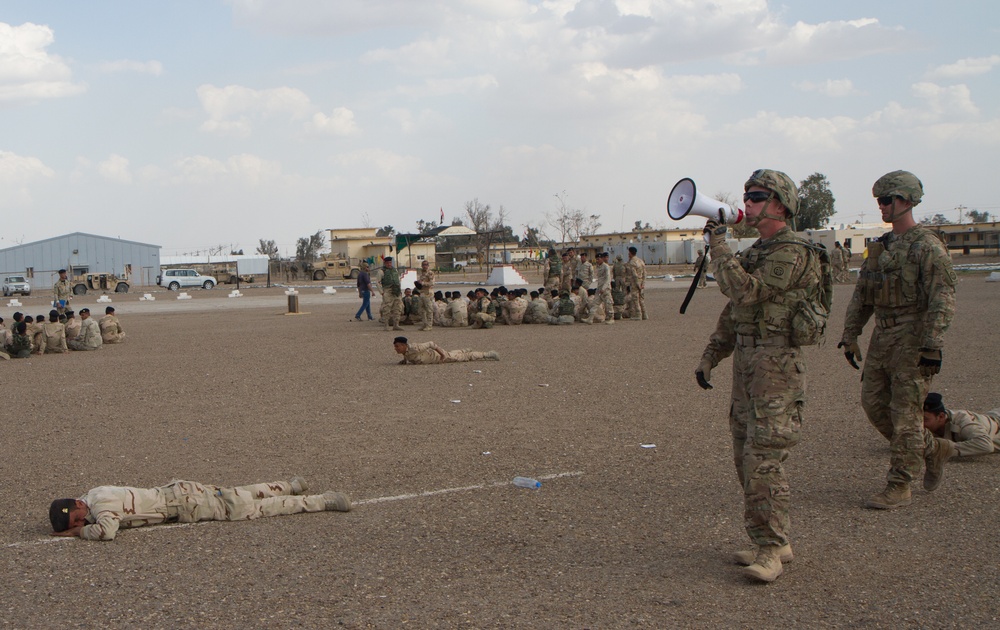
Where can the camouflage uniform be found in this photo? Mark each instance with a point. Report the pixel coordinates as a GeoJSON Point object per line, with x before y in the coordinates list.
{"type": "Point", "coordinates": [62, 293]}
{"type": "Point", "coordinates": [55, 337]}
{"type": "Point", "coordinates": [908, 284]}
{"type": "Point", "coordinates": [392, 297]}
{"type": "Point", "coordinates": [568, 273]}
{"type": "Point", "coordinates": [538, 312]}
{"type": "Point", "coordinates": [618, 272]}
{"type": "Point", "coordinates": [486, 313]}
{"type": "Point", "coordinates": [458, 313]}
{"type": "Point", "coordinates": [618, 299]}
{"type": "Point", "coordinates": [114, 507]}
{"type": "Point", "coordinates": [426, 278]}
{"type": "Point", "coordinates": [111, 329]}
{"type": "Point", "coordinates": [89, 337]}
{"type": "Point", "coordinates": [514, 310]}
{"type": "Point", "coordinates": [20, 346]}
{"type": "Point", "coordinates": [604, 291]}
{"type": "Point", "coordinates": [973, 433]}
{"type": "Point", "coordinates": [427, 353]}
{"type": "Point", "coordinates": [635, 269]}
{"type": "Point", "coordinates": [762, 283]}
{"type": "Point", "coordinates": [563, 310]}
{"type": "Point", "coordinates": [553, 271]}
{"type": "Point", "coordinates": [585, 274]}
{"type": "Point", "coordinates": [72, 328]}
{"type": "Point", "coordinates": [703, 280]}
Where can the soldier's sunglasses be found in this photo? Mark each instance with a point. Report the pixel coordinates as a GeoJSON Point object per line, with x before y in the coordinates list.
{"type": "Point", "coordinates": [886, 200]}
{"type": "Point", "coordinates": [756, 196]}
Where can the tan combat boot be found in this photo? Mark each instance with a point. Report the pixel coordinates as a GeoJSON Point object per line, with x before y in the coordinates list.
{"type": "Point", "coordinates": [895, 495]}
{"type": "Point", "coordinates": [766, 566]}
{"type": "Point", "coordinates": [934, 464]}
{"type": "Point", "coordinates": [746, 558]}
{"type": "Point", "coordinates": [299, 485]}
{"type": "Point", "coordinates": [336, 501]}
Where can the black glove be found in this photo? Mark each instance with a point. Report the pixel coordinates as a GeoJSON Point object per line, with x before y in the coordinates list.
{"type": "Point", "coordinates": [930, 362]}
{"type": "Point", "coordinates": [703, 373]}
{"type": "Point", "coordinates": [851, 350]}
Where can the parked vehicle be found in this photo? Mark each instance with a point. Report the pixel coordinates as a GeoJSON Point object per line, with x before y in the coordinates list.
{"type": "Point", "coordinates": [175, 279]}
{"type": "Point", "coordinates": [333, 267]}
{"type": "Point", "coordinates": [99, 282]}
{"type": "Point", "coordinates": [16, 284]}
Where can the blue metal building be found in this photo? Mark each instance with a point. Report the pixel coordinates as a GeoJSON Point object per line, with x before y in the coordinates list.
{"type": "Point", "coordinates": [80, 253]}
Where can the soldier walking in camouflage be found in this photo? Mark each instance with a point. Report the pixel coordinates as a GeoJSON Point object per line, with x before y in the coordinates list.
{"type": "Point", "coordinates": [429, 352]}
{"type": "Point", "coordinates": [426, 278]}
{"type": "Point", "coordinates": [392, 295]}
{"type": "Point", "coordinates": [99, 514]}
{"type": "Point", "coordinates": [907, 283]}
{"type": "Point", "coordinates": [767, 285]}
{"type": "Point", "coordinates": [635, 270]}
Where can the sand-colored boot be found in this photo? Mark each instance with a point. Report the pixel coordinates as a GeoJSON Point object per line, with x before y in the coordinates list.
{"type": "Point", "coordinates": [746, 558]}
{"type": "Point", "coordinates": [766, 566]}
{"type": "Point", "coordinates": [299, 485]}
{"type": "Point", "coordinates": [934, 464]}
{"type": "Point", "coordinates": [895, 495]}
{"type": "Point", "coordinates": [337, 501]}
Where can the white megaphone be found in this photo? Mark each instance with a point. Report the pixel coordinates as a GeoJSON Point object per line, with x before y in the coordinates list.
{"type": "Point", "coordinates": [685, 199]}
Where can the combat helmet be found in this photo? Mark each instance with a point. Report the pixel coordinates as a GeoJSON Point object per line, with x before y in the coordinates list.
{"type": "Point", "coordinates": [899, 184]}
{"type": "Point", "coordinates": [778, 183]}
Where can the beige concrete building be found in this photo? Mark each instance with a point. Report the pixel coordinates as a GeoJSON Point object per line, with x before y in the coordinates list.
{"type": "Point", "coordinates": [357, 244]}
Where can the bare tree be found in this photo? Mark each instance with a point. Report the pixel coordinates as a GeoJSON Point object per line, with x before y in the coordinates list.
{"type": "Point", "coordinates": [585, 225]}
{"type": "Point", "coordinates": [559, 219]}
{"type": "Point", "coordinates": [480, 219]}
{"type": "Point", "coordinates": [269, 249]}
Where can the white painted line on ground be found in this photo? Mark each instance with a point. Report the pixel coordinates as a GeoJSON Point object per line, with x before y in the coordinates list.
{"type": "Point", "coordinates": [398, 497]}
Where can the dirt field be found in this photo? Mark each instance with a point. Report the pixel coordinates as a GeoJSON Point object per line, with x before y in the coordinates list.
{"type": "Point", "coordinates": [231, 391]}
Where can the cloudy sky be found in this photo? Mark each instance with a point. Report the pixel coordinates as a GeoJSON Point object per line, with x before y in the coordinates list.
{"type": "Point", "coordinates": [197, 123]}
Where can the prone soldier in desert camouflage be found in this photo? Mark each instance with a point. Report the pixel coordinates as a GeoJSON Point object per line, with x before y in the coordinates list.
{"type": "Point", "coordinates": [428, 353]}
{"type": "Point", "coordinates": [907, 284]}
{"type": "Point", "coordinates": [99, 514]}
{"type": "Point", "coordinates": [773, 288]}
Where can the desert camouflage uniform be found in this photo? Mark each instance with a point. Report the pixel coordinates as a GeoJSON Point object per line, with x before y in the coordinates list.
{"type": "Point", "coordinates": [635, 269]}
{"type": "Point", "coordinates": [113, 507]}
{"type": "Point", "coordinates": [514, 310]}
{"type": "Point", "coordinates": [441, 313]}
{"type": "Point", "coordinates": [618, 300]}
{"type": "Point", "coordinates": [20, 346]}
{"type": "Point", "coordinates": [769, 374]}
{"type": "Point", "coordinates": [568, 273]}
{"type": "Point", "coordinates": [37, 335]}
{"type": "Point", "coordinates": [72, 328]}
{"type": "Point", "coordinates": [89, 337]}
{"type": "Point", "coordinates": [62, 290]}
{"type": "Point", "coordinates": [972, 433]}
{"type": "Point", "coordinates": [392, 297]}
{"type": "Point", "coordinates": [618, 273]}
{"type": "Point", "coordinates": [426, 354]}
{"type": "Point", "coordinates": [908, 284]}
{"type": "Point", "coordinates": [537, 313]}
{"type": "Point", "coordinates": [603, 294]}
{"type": "Point", "coordinates": [553, 272]}
{"type": "Point", "coordinates": [55, 337]}
{"type": "Point", "coordinates": [585, 274]}
{"type": "Point", "coordinates": [426, 278]}
{"type": "Point", "coordinates": [486, 313]}
{"type": "Point", "coordinates": [703, 280]}
{"type": "Point", "coordinates": [111, 329]}
{"type": "Point", "coordinates": [458, 313]}
{"type": "Point", "coordinates": [595, 310]}
{"type": "Point", "coordinates": [837, 260]}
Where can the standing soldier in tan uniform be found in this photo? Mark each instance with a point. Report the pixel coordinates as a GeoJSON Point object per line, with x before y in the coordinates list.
{"type": "Point", "coordinates": [585, 272]}
{"type": "Point", "coordinates": [604, 277]}
{"type": "Point", "coordinates": [767, 285]}
{"type": "Point", "coordinates": [908, 284]}
{"type": "Point", "coordinates": [553, 270]}
{"type": "Point", "coordinates": [635, 270]}
{"type": "Point", "coordinates": [392, 295]}
{"type": "Point", "coordinates": [839, 263]}
{"type": "Point", "coordinates": [111, 328]}
{"type": "Point", "coordinates": [568, 270]}
{"type": "Point", "coordinates": [62, 292]}
{"type": "Point", "coordinates": [429, 352]}
{"type": "Point", "coordinates": [426, 278]}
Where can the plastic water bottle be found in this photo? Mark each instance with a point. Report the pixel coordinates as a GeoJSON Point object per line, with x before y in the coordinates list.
{"type": "Point", "coordinates": [527, 482]}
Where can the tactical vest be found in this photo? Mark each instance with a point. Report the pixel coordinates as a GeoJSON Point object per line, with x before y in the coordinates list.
{"type": "Point", "coordinates": [566, 306]}
{"type": "Point", "coordinates": [800, 312]}
{"type": "Point", "coordinates": [555, 267]}
{"type": "Point", "coordinates": [390, 281]}
{"type": "Point", "coordinates": [890, 276]}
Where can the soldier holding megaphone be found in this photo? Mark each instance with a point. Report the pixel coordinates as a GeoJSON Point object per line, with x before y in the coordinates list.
{"type": "Point", "coordinates": [769, 285]}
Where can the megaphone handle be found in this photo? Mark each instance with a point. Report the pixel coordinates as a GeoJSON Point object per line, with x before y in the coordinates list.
{"type": "Point", "coordinates": [694, 283]}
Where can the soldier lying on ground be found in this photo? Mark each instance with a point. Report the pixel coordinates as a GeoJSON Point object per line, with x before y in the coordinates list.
{"type": "Point", "coordinates": [98, 514]}
{"type": "Point", "coordinates": [430, 352]}
{"type": "Point", "coordinates": [970, 433]}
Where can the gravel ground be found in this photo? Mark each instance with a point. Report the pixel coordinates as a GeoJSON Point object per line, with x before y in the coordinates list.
{"type": "Point", "coordinates": [231, 391]}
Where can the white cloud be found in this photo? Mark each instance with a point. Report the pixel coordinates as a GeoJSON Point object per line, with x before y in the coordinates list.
{"type": "Point", "coordinates": [242, 169]}
{"type": "Point", "coordinates": [116, 169]}
{"type": "Point", "coordinates": [232, 109]}
{"type": "Point", "coordinates": [938, 104]}
{"type": "Point", "coordinates": [373, 166]}
{"type": "Point", "coordinates": [803, 132]}
{"type": "Point", "coordinates": [421, 54]}
{"type": "Point", "coordinates": [447, 87]}
{"type": "Point", "coordinates": [831, 87]}
{"type": "Point", "coordinates": [27, 71]}
{"type": "Point", "coordinates": [17, 173]}
{"type": "Point", "coordinates": [154, 68]}
{"type": "Point", "coordinates": [339, 123]}
{"type": "Point", "coordinates": [968, 67]}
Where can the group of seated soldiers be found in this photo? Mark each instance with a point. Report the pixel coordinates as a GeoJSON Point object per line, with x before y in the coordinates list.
{"type": "Point", "coordinates": [58, 333]}
{"type": "Point", "coordinates": [482, 308]}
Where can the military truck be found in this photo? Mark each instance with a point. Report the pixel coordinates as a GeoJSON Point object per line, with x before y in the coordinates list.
{"type": "Point", "coordinates": [227, 273]}
{"type": "Point", "coordinates": [330, 266]}
{"type": "Point", "coordinates": [99, 282]}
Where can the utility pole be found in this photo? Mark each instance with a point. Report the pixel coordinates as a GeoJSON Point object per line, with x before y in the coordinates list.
{"type": "Point", "coordinates": [961, 211]}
